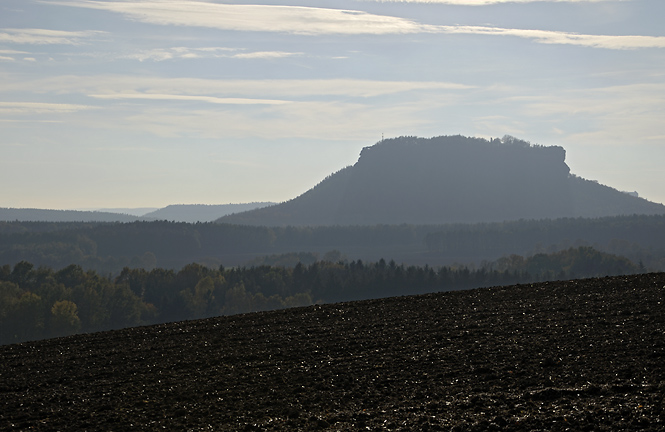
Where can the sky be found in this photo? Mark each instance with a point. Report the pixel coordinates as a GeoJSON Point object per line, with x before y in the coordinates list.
{"type": "Point", "coordinates": [146, 103]}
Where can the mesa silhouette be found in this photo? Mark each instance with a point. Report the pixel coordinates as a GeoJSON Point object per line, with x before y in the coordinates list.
{"type": "Point", "coordinates": [450, 179]}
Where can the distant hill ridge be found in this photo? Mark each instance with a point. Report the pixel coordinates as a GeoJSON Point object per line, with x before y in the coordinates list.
{"type": "Point", "coordinates": [201, 212]}
{"type": "Point", "coordinates": [46, 215]}
{"type": "Point", "coordinates": [450, 179]}
{"type": "Point", "coordinates": [190, 213]}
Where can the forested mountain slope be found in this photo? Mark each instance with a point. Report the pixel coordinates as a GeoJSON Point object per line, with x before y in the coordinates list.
{"type": "Point", "coordinates": [450, 179]}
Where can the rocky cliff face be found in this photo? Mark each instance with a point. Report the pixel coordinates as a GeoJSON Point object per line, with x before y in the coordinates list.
{"type": "Point", "coordinates": [450, 179]}
{"type": "Point", "coordinates": [455, 179]}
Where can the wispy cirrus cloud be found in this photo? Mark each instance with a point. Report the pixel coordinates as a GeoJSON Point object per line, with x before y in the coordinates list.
{"type": "Point", "coordinates": [209, 108]}
{"type": "Point", "coordinates": [45, 36]}
{"type": "Point", "coordinates": [260, 89]}
{"type": "Point", "coordinates": [322, 21]}
{"type": "Point", "coordinates": [564, 38]}
{"type": "Point", "coordinates": [490, 2]}
{"type": "Point", "coordinates": [176, 53]}
{"type": "Point", "coordinates": [614, 115]}
{"type": "Point", "coordinates": [266, 55]}
{"type": "Point", "coordinates": [261, 18]}
{"type": "Point", "coordinates": [310, 120]}
{"type": "Point", "coordinates": [39, 108]}
{"type": "Point", "coordinates": [185, 53]}
{"type": "Point", "coordinates": [191, 98]}
{"type": "Point", "coordinates": [4, 51]}
{"type": "Point", "coordinates": [614, 102]}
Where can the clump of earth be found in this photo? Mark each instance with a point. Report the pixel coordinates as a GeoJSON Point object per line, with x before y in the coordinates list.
{"type": "Point", "coordinates": [571, 355]}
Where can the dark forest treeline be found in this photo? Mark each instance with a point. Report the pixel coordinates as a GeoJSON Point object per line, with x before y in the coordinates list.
{"type": "Point", "coordinates": [40, 302]}
{"type": "Point", "coordinates": [640, 238]}
{"type": "Point", "coordinates": [109, 247]}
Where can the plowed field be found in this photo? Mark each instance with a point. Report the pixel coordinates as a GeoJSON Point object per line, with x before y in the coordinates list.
{"type": "Point", "coordinates": [573, 355]}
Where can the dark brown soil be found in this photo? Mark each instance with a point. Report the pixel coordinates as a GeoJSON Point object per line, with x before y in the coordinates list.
{"type": "Point", "coordinates": [576, 355]}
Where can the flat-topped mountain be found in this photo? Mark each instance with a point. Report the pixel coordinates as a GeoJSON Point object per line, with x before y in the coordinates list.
{"type": "Point", "coordinates": [450, 179]}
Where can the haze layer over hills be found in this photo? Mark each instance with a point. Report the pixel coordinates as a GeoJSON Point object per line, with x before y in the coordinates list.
{"type": "Point", "coordinates": [190, 213]}
{"type": "Point", "coordinates": [450, 179]}
{"type": "Point", "coordinates": [46, 215]}
{"type": "Point", "coordinates": [200, 213]}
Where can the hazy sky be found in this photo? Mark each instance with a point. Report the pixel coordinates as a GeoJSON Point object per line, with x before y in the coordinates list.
{"type": "Point", "coordinates": [154, 102]}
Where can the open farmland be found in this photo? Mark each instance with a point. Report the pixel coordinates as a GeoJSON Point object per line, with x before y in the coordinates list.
{"type": "Point", "coordinates": [578, 355]}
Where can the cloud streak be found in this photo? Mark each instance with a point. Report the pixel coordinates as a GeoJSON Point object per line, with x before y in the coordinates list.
{"type": "Point", "coordinates": [259, 18]}
{"type": "Point", "coordinates": [190, 98]}
{"type": "Point", "coordinates": [176, 53]}
{"type": "Point", "coordinates": [266, 55]}
{"type": "Point", "coordinates": [185, 53]}
{"type": "Point", "coordinates": [39, 108]}
{"type": "Point", "coordinates": [177, 107]}
{"type": "Point", "coordinates": [260, 89]}
{"type": "Point", "coordinates": [563, 38]}
{"type": "Point", "coordinates": [45, 37]}
{"type": "Point", "coordinates": [490, 2]}
{"type": "Point", "coordinates": [302, 120]}
{"type": "Point", "coordinates": [313, 21]}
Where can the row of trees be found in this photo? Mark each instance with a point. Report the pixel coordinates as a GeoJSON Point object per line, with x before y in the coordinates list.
{"type": "Point", "coordinates": [40, 302]}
